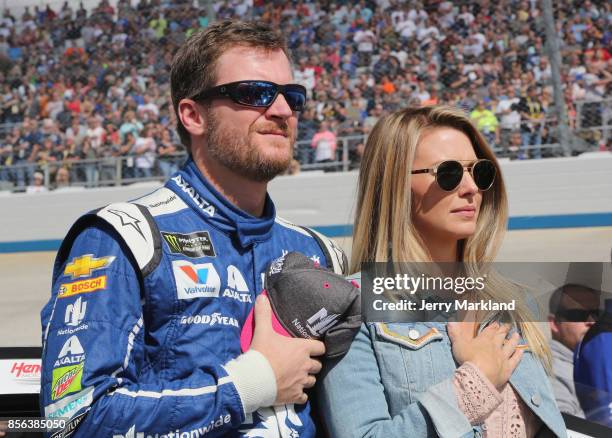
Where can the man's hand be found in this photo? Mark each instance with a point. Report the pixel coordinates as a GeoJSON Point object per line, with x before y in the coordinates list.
{"type": "Point", "coordinates": [290, 358]}
{"type": "Point", "coordinates": [490, 351]}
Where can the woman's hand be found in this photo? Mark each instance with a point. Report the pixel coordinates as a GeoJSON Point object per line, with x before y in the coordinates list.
{"type": "Point", "coordinates": [495, 355]}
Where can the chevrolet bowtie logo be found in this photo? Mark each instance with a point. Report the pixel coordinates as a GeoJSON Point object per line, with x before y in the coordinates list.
{"type": "Point", "coordinates": [83, 266]}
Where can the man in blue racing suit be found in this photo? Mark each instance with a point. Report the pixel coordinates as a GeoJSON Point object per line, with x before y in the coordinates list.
{"type": "Point", "coordinates": [141, 334]}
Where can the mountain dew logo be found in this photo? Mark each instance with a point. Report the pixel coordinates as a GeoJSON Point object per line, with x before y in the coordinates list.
{"type": "Point", "coordinates": [66, 380]}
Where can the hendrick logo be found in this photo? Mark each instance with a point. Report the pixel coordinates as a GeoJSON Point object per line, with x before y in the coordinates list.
{"type": "Point", "coordinates": [192, 245]}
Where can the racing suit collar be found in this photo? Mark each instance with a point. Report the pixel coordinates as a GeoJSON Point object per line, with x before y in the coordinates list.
{"type": "Point", "coordinates": [191, 186]}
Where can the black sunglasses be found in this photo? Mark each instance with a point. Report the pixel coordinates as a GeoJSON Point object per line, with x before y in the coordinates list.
{"type": "Point", "coordinates": [578, 315]}
{"type": "Point", "coordinates": [258, 94]}
{"type": "Point", "coordinates": [449, 173]}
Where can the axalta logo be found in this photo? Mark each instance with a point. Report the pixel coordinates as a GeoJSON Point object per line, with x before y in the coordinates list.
{"type": "Point", "coordinates": [84, 265]}
{"type": "Point", "coordinates": [72, 352]}
{"type": "Point", "coordinates": [195, 280]}
{"type": "Point", "coordinates": [75, 312]}
{"type": "Point", "coordinates": [178, 433]}
{"type": "Point", "coordinates": [237, 288]}
{"type": "Point", "coordinates": [69, 406]}
{"type": "Point", "coordinates": [213, 319]}
{"type": "Point", "coordinates": [66, 380]}
{"type": "Point", "coordinates": [195, 196]}
{"type": "Point", "coordinates": [82, 287]}
{"type": "Point", "coordinates": [320, 322]}
{"type": "Point", "coordinates": [24, 370]}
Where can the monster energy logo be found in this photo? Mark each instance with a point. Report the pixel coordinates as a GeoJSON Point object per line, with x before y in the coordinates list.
{"type": "Point", "coordinates": [197, 244]}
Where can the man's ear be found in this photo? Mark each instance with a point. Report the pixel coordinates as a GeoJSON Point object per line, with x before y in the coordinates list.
{"type": "Point", "coordinates": [553, 324]}
{"type": "Point", "coordinates": [190, 114]}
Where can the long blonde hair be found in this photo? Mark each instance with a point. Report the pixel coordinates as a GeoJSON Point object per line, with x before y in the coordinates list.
{"type": "Point", "coordinates": [383, 229]}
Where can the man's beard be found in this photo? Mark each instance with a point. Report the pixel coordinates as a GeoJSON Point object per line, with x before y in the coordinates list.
{"type": "Point", "coordinates": [241, 156]}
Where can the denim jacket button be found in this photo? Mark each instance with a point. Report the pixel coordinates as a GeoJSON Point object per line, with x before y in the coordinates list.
{"type": "Point", "coordinates": [484, 427]}
{"type": "Point", "coordinates": [535, 399]}
{"type": "Point", "coordinates": [413, 334]}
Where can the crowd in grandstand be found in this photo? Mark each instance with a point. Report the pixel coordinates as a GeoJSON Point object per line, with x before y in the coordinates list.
{"type": "Point", "coordinates": [85, 87]}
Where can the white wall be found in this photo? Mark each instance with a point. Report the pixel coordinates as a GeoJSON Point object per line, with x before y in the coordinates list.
{"type": "Point", "coordinates": [536, 188]}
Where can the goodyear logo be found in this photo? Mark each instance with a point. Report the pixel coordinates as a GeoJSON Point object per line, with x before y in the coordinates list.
{"type": "Point", "coordinates": [66, 380]}
{"type": "Point", "coordinates": [82, 286]}
{"type": "Point", "coordinates": [83, 266]}
{"type": "Point", "coordinates": [193, 245]}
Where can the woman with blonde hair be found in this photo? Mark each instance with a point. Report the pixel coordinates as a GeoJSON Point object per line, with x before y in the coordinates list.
{"type": "Point", "coordinates": [430, 190]}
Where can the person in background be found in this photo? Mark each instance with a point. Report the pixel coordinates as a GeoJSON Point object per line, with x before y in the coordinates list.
{"type": "Point", "coordinates": [324, 144]}
{"type": "Point", "coordinates": [593, 368]}
{"type": "Point", "coordinates": [573, 310]}
{"type": "Point", "coordinates": [38, 184]}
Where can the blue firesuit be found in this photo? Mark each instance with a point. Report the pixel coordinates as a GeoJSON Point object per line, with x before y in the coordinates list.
{"type": "Point", "coordinates": [141, 334]}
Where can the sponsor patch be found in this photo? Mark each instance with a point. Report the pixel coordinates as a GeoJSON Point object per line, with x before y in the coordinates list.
{"type": "Point", "coordinates": [75, 312]}
{"type": "Point", "coordinates": [195, 196]}
{"type": "Point", "coordinates": [237, 288]}
{"type": "Point", "coordinates": [213, 319]}
{"type": "Point", "coordinates": [84, 265]}
{"type": "Point", "coordinates": [66, 380]}
{"type": "Point", "coordinates": [71, 353]}
{"type": "Point", "coordinates": [82, 286]}
{"type": "Point", "coordinates": [195, 280]}
{"type": "Point", "coordinates": [70, 427]}
{"type": "Point", "coordinates": [70, 405]}
{"type": "Point", "coordinates": [192, 245]}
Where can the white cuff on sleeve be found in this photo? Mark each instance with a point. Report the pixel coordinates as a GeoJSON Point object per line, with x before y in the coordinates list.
{"type": "Point", "coordinates": [254, 380]}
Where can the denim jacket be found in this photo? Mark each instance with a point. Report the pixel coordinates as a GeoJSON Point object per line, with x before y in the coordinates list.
{"type": "Point", "coordinates": [397, 381]}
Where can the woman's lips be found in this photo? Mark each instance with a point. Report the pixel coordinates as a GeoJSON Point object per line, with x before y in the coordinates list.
{"type": "Point", "coordinates": [465, 211]}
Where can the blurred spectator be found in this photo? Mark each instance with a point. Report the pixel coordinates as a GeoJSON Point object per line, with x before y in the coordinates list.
{"type": "Point", "coordinates": [62, 178]}
{"type": "Point", "coordinates": [144, 149]}
{"type": "Point", "coordinates": [573, 310]}
{"type": "Point", "coordinates": [324, 143]}
{"type": "Point", "coordinates": [532, 120]}
{"type": "Point", "coordinates": [486, 122]}
{"type": "Point", "coordinates": [38, 184]}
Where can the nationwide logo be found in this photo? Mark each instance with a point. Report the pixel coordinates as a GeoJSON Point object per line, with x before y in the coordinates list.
{"type": "Point", "coordinates": [75, 312]}
{"type": "Point", "coordinates": [25, 371]}
{"type": "Point", "coordinates": [72, 352]}
{"type": "Point", "coordinates": [237, 288]}
{"type": "Point", "coordinates": [72, 331]}
{"type": "Point", "coordinates": [320, 322]}
{"type": "Point", "coordinates": [82, 286]}
{"type": "Point", "coordinates": [192, 245]}
{"type": "Point", "coordinates": [214, 319]}
{"type": "Point", "coordinates": [84, 265]}
{"type": "Point", "coordinates": [195, 280]}
{"type": "Point", "coordinates": [195, 196]}
{"type": "Point", "coordinates": [69, 406]}
{"type": "Point", "coordinates": [66, 380]}
{"type": "Point", "coordinates": [194, 433]}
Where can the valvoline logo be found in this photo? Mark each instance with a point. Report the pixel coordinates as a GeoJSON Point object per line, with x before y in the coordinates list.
{"type": "Point", "coordinates": [195, 280]}
{"type": "Point", "coordinates": [197, 276]}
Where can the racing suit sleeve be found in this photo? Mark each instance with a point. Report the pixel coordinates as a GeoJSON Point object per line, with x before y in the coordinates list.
{"type": "Point", "coordinates": [96, 367]}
